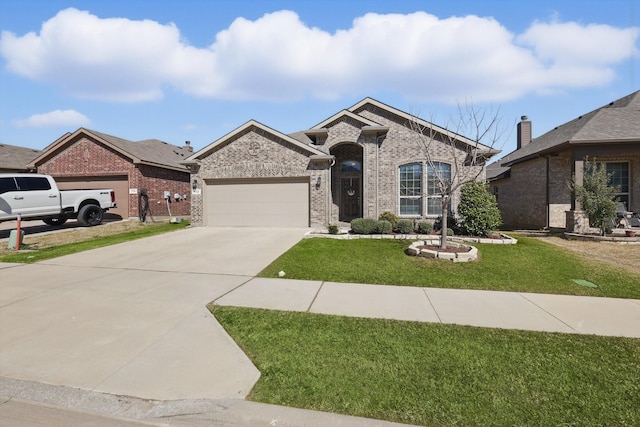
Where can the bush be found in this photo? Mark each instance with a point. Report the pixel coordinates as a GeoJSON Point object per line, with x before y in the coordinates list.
{"type": "Point", "coordinates": [478, 209]}
{"type": "Point", "coordinates": [384, 227]}
{"type": "Point", "coordinates": [450, 232]}
{"type": "Point", "coordinates": [364, 225]}
{"type": "Point", "coordinates": [391, 217]}
{"type": "Point", "coordinates": [405, 226]}
{"type": "Point", "coordinates": [333, 229]}
{"type": "Point", "coordinates": [425, 227]}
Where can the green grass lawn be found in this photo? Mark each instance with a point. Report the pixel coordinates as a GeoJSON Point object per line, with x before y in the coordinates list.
{"type": "Point", "coordinates": [93, 243]}
{"type": "Point", "coordinates": [438, 375]}
{"type": "Point", "coordinates": [529, 266]}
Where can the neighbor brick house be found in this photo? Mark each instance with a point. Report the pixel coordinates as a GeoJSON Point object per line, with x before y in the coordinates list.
{"type": "Point", "coordinates": [15, 159]}
{"type": "Point", "coordinates": [531, 183]}
{"type": "Point", "coordinates": [86, 159]}
{"type": "Point", "coordinates": [360, 162]}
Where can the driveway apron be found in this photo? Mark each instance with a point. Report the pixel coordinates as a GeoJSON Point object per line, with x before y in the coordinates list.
{"type": "Point", "coordinates": [130, 319]}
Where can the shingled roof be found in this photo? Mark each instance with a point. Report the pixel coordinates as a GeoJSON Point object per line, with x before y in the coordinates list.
{"type": "Point", "coordinates": [149, 151]}
{"type": "Point", "coordinates": [615, 123]}
{"type": "Point", "coordinates": [16, 159]}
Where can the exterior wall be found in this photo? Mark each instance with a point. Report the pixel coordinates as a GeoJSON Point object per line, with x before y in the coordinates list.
{"type": "Point", "coordinates": [402, 145]}
{"type": "Point", "coordinates": [85, 158]}
{"type": "Point", "coordinates": [254, 154]}
{"type": "Point", "coordinates": [522, 196]}
{"type": "Point", "coordinates": [559, 192]}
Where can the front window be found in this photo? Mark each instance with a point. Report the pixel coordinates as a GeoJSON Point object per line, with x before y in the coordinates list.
{"type": "Point", "coordinates": [618, 173]}
{"type": "Point", "coordinates": [436, 173]}
{"type": "Point", "coordinates": [411, 189]}
{"type": "Point", "coordinates": [350, 166]}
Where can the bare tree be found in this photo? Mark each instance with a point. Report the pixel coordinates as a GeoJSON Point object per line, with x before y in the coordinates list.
{"type": "Point", "coordinates": [465, 156]}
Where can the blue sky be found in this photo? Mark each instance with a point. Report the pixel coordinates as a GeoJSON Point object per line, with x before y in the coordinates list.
{"type": "Point", "coordinates": [195, 70]}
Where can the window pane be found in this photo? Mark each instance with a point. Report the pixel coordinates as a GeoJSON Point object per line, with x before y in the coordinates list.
{"type": "Point", "coordinates": [434, 206]}
{"type": "Point", "coordinates": [7, 184]}
{"type": "Point", "coordinates": [619, 175]}
{"type": "Point", "coordinates": [32, 183]}
{"type": "Point", "coordinates": [411, 189]}
{"type": "Point", "coordinates": [441, 170]}
{"type": "Point", "coordinates": [411, 206]}
{"type": "Point", "coordinates": [350, 166]}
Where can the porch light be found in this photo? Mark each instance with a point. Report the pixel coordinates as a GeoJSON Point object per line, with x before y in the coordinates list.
{"type": "Point", "coordinates": [319, 181]}
{"type": "Point", "coordinates": [194, 184]}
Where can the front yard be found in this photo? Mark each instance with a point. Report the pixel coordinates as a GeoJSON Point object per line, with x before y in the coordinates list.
{"type": "Point", "coordinates": [435, 374]}
{"type": "Point", "coordinates": [529, 266]}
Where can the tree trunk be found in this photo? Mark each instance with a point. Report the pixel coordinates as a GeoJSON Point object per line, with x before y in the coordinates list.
{"type": "Point", "coordinates": [443, 223]}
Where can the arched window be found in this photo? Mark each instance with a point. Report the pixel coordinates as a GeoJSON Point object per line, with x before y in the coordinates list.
{"type": "Point", "coordinates": [411, 189]}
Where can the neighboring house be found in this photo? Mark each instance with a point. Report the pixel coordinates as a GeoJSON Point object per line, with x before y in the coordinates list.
{"type": "Point", "coordinates": [86, 159]}
{"type": "Point", "coordinates": [15, 159]}
{"type": "Point", "coordinates": [359, 162]}
{"type": "Point", "coordinates": [531, 183]}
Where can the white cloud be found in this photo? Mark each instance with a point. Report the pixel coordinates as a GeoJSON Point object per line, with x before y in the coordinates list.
{"type": "Point", "coordinates": [279, 57]}
{"type": "Point", "coordinates": [56, 118]}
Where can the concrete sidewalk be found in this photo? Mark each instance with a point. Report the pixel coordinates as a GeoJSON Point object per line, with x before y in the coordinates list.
{"type": "Point", "coordinates": [507, 310]}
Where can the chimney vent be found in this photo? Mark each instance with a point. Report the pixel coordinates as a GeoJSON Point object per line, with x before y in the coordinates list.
{"type": "Point", "coordinates": [524, 132]}
{"type": "Point", "coordinates": [188, 147]}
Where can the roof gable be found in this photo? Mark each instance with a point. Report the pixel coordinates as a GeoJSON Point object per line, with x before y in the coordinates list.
{"type": "Point", "coordinates": [345, 114]}
{"type": "Point", "coordinates": [152, 152]}
{"type": "Point", "coordinates": [247, 127]}
{"type": "Point", "coordinates": [370, 102]}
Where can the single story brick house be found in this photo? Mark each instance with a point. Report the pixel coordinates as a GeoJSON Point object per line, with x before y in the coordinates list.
{"type": "Point", "coordinates": [360, 162]}
{"type": "Point", "coordinates": [531, 183]}
{"type": "Point", "coordinates": [15, 159]}
{"type": "Point", "coordinates": [86, 159]}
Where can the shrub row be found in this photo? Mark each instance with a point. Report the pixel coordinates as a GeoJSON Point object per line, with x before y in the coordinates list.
{"type": "Point", "coordinates": [388, 223]}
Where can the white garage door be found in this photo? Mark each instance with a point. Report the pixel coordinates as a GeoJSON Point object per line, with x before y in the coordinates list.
{"type": "Point", "coordinates": [119, 184]}
{"type": "Point", "coordinates": [257, 203]}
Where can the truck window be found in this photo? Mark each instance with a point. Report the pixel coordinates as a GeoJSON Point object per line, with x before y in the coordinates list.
{"type": "Point", "coordinates": [32, 183]}
{"type": "Point", "coordinates": [7, 184]}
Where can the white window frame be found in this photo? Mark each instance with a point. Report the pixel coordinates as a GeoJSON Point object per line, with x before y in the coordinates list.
{"type": "Point", "coordinates": [419, 197]}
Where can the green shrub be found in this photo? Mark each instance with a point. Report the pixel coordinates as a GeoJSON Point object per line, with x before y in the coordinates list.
{"type": "Point", "coordinates": [425, 227]}
{"type": "Point", "coordinates": [450, 232]}
{"type": "Point", "coordinates": [478, 209]}
{"type": "Point", "coordinates": [405, 226]}
{"type": "Point", "coordinates": [384, 227]}
{"type": "Point", "coordinates": [391, 217]}
{"type": "Point", "coordinates": [364, 225]}
{"type": "Point", "coordinates": [333, 229]}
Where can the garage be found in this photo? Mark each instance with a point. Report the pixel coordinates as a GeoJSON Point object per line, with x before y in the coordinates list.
{"type": "Point", "coordinates": [257, 202]}
{"type": "Point", "coordinates": [119, 184]}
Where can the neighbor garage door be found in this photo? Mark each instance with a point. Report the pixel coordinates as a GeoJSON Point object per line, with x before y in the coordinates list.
{"type": "Point", "coordinates": [257, 203]}
{"type": "Point", "coordinates": [119, 184]}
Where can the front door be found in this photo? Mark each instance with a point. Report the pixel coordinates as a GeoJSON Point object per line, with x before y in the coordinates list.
{"type": "Point", "coordinates": [350, 199]}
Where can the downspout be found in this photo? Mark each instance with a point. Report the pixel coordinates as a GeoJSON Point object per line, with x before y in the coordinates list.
{"type": "Point", "coordinates": [378, 176]}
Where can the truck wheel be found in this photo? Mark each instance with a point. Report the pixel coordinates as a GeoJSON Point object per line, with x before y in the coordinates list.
{"type": "Point", "coordinates": [90, 215]}
{"type": "Point", "coordinates": [55, 220]}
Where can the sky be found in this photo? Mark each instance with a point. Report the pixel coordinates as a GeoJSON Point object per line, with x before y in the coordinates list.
{"type": "Point", "coordinates": [195, 70]}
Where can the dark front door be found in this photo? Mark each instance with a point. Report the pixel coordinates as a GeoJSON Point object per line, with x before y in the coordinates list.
{"type": "Point", "coordinates": [350, 203]}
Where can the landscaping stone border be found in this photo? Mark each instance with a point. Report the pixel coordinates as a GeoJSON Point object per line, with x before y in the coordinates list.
{"type": "Point", "coordinates": [506, 240]}
{"type": "Point", "coordinates": [415, 250]}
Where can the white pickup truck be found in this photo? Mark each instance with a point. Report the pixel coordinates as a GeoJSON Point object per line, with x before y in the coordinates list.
{"type": "Point", "coordinates": [34, 196]}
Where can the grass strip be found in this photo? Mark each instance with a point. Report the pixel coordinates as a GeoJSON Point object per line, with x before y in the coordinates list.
{"type": "Point", "coordinates": [529, 266]}
{"type": "Point", "coordinates": [438, 375]}
{"type": "Point", "coordinates": [31, 256]}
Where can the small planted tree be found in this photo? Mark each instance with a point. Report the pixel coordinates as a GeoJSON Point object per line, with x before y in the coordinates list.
{"type": "Point", "coordinates": [595, 195]}
{"type": "Point", "coordinates": [465, 156]}
{"type": "Point", "coordinates": [478, 209]}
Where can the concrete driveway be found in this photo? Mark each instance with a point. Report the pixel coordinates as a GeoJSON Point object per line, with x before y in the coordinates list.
{"type": "Point", "coordinates": [130, 319]}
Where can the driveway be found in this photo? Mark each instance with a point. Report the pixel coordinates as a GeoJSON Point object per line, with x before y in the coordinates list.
{"type": "Point", "coordinates": [130, 319]}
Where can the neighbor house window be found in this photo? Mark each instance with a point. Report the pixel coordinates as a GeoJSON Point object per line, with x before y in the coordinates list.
{"type": "Point", "coordinates": [411, 189]}
{"type": "Point", "coordinates": [436, 172]}
{"type": "Point", "coordinates": [619, 177]}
